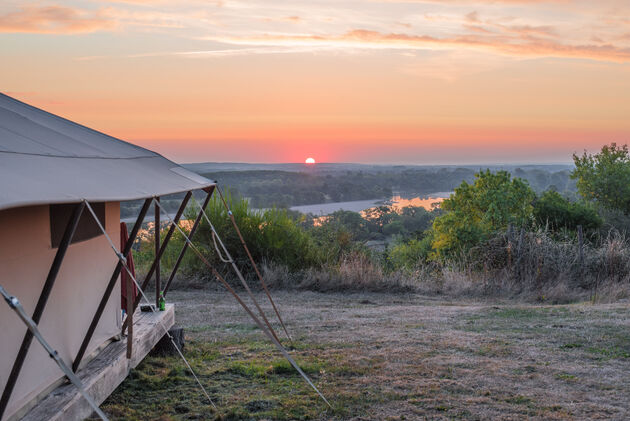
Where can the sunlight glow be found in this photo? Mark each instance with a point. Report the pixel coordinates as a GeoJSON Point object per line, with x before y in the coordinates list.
{"type": "Point", "coordinates": [310, 161]}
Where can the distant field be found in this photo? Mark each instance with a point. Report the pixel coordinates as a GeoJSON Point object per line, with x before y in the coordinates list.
{"type": "Point", "coordinates": [391, 357]}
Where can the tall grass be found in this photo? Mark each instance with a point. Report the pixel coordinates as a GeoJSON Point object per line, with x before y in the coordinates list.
{"type": "Point", "coordinates": [540, 265]}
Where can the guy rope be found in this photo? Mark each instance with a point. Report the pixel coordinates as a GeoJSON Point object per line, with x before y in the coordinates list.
{"type": "Point", "coordinates": [229, 259]}
{"type": "Point", "coordinates": [15, 304]}
{"type": "Point", "coordinates": [251, 259]}
{"type": "Point", "coordinates": [260, 324]}
{"type": "Point", "coordinates": [123, 260]}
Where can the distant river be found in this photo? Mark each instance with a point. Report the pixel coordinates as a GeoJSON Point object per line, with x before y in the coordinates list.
{"type": "Point", "coordinates": [398, 202]}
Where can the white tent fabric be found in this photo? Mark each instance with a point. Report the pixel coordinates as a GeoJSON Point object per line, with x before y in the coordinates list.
{"type": "Point", "coordinates": [48, 159]}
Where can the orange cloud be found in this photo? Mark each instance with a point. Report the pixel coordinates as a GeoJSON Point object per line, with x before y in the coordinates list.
{"type": "Point", "coordinates": [53, 20]}
{"type": "Point", "coordinates": [522, 44]}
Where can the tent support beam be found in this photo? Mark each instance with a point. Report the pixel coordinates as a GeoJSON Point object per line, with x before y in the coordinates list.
{"type": "Point", "coordinates": [110, 286]}
{"type": "Point", "coordinates": [66, 240]}
{"type": "Point", "coordinates": [185, 247]}
{"type": "Point", "coordinates": [159, 254]}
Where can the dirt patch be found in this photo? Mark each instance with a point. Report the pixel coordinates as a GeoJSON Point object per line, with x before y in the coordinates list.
{"type": "Point", "coordinates": [382, 356]}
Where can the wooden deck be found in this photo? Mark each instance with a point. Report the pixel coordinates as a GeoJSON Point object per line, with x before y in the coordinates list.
{"type": "Point", "coordinates": [105, 372]}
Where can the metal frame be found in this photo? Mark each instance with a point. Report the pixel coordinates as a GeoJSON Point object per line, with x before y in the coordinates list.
{"type": "Point", "coordinates": [158, 256]}
{"type": "Point", "coordinates": [110, 286]}
{"type": "Point", "coordinates": [209, 192]}
{"type": "Point", "coordinates": [159, 253]}
{"type": "Point", "coordinates": [41, 304]}
{"type": "Point", "coordinates": [58, 260]}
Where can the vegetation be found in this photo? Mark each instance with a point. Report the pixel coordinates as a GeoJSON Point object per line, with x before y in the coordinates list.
{"type": "Point", "coordinates": [557, 212]}
{"type": "Point", "coordinates": [273, 188]}
{"type": "Point", "coordinates": [378, 356]}
{"type": "Point", "coordinates": [605, 177]}
{"type": "Point", "coordinates": [476, 211]}
{"type": "Point", "coordinates": [494, 235]}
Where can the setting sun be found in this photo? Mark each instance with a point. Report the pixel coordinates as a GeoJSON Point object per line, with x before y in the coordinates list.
{"type": "Point", "coordinates": [309, 161]}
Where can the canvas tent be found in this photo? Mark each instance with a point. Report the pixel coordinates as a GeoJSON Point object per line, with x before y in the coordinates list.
{"type": "Point", "coordinates": [48, 167]}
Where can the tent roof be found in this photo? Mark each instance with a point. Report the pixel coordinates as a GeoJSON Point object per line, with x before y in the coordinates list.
{"type": "Point", "coordinates": [48, 159]}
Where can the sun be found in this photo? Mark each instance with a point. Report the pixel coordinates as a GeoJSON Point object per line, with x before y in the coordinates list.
{"type": "Point", "coordinates": [309, 161]}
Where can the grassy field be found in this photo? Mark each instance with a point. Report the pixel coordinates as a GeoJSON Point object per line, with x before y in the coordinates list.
{"type": "Point", "coordinates": [390, 357]}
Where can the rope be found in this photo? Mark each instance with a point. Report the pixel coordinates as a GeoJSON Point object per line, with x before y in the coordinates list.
{"type": "Point", "coordinates": [214, 240]}
{"type": "Point", "coordinates": [251, 259]}
{"type": "Point", "coordinates": [123, 261]}
{"type": "Point", "coordinates": [14, 303]}
{"type": "Point", "coordinates": [262, 327]}
{"type": "Point", "coordinates": [215, 236]}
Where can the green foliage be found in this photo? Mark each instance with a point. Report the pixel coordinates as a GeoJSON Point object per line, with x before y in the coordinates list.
{"type": "Point", "coordinates": [271, 235]}
{"type": "Point", "coordinates": [477, 210]}
{"type": "Point", "coordinates": [333, 240]}
{"type": "Point", "coordinates": [410, 254]}
{"type": "Point", "coordinates": [352, 222]}
{"type": "Point", "coordinates": [605, 177]}
{"type": "Point", "coordinates": [557, 212]}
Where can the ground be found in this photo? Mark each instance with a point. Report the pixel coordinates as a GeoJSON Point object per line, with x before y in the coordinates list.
{"type": "Point", "coordinates": [389, 357]}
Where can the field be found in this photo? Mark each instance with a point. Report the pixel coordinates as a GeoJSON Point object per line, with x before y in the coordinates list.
{"type": "Point", "coordinates": [390, 357]}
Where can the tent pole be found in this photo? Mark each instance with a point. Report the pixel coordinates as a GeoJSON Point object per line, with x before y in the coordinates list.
{"type": "Point", "coordinates": [167, 238]}
{"type": "Point", "coordinates": [157, 252]}
{"type": "Point", "coordinates": [41, 304]}
{"type": "Point", "coordinates": [185, 247]}
{"type": "Point", "coordinates": [110, 285]}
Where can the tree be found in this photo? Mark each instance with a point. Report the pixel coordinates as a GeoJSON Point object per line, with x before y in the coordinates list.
{"type": "Point", "coordinates": [557, 212]}
{"type": "Point", "coordinates": [475, 211]}
{"type": "Point", "coordinates": [350, 221]}
{"type": "Point", "coordinates": [605, 177]}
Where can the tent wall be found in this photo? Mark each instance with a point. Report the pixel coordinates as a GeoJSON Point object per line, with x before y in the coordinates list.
{"type": "Point", "coordinates": [25, 258]}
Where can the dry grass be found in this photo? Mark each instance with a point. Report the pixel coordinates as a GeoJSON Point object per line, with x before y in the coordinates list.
{"type": "Point", "coordinates": [355, 272]}
{"type": "Point", "coordinates": [393, 356]}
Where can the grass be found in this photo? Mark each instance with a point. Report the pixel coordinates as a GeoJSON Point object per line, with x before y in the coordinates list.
{"type": "Point", "coordinates": [246, 380]}
{"type": "Point", "coordinates": [401, 357]}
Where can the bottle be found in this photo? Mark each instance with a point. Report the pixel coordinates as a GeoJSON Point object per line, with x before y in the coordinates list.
{"type": "Point", "coordinates": [162, 302]}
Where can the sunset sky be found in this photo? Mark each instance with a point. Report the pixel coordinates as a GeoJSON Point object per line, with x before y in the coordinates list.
{"type": "Point", "coordinates": [374, 81]}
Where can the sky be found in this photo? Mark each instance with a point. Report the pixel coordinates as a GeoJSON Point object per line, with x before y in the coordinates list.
{"type": "Point", "coordinates": [372, 81]}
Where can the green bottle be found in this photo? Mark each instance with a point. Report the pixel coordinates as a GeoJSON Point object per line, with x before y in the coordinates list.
{"type": "Point", "coordinates": [162, 302]}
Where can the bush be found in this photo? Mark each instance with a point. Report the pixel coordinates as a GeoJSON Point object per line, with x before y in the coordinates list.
{"type": "Point", "coordinates": [557, 212]}
{"type": "Point", "coordinates": [476, 211]}
{"type": "Point", "coordinates": [411, 254]}
{"type": "Point", "coordinates": [605, 177]}
{"type": "Point", "coordinates": [271, 235]}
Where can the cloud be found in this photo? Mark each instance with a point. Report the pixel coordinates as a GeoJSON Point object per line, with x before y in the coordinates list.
{"type": "Point", "coordinates": [225, 52]}
{"type": "Point", "coordinates": [473, 17]}
{"type": "Point", "coordinates": [520, 45]}
{"type": "Point", "coordinates": [504, 2]}
{"type": "Point", "coordinates": [53, 20]}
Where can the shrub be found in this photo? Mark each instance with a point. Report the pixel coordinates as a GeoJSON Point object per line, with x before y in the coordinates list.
{"type": "Point", "coordinates": [557, 212]}
{"type": "Point", "coordinates": [476, 211]}
{"type": "Point", "coordinates": [271, 235]}
{"type": "Point", "coordinates": [605, 177]}
{"type": "Point", "coordinates": [409, 255]}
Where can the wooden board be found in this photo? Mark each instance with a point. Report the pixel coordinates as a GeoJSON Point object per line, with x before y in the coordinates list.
{"type": "Point", "coordinates": [105, 372]}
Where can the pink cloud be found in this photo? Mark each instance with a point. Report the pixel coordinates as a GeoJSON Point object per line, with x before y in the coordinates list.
{"type": "Point", "coordinates": [53, 20]}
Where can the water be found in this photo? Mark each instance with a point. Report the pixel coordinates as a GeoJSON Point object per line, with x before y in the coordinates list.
{"type": "Point", "coordinates": [397, 202]}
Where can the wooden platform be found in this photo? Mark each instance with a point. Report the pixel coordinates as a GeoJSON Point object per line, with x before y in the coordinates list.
{"type": "Point", "coordinates": [105, 372]}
